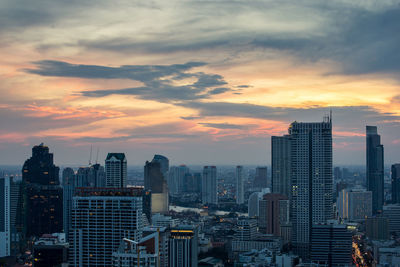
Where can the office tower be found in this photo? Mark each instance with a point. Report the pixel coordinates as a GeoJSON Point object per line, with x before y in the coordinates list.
{"type": "Point", "coordinates": [339, 187]}
{"type": "Point", "coordinates": [68, 182]}
{"type": "Point", "coordinates": [281, 164]}
{"type": "Point", "coordinates": [377, 228]}
{"type": "Point", "coordinates": [260, 179]}
{"type": "Point", "coordinates": [16, 218]}
{"type": "Point", "coordinates": [43, 206]}
{"type": "Point", "coordinates": [273, 213]}
{"type": "Point", "coordinates": [163, 237]}
{"type": "Point", "coordinates": [147, 205]}
{"type": "Point", "coordinates": [337, 173]}
{"type": "Point", "coordinates": [239, 185]}
{"type": "Point", "coordinates": [396, 183]}
{"type": "Point", "coordinates": [50, 250]}
{"type": "Point", "coordinates": [5, 228]}
{"type": "Point", "coordinates": [375, 168]}
{"type": "Point", "coordinates": [183, 246]}
{"type": "Point", "coordinates": [355, 204]}
{"type": "Point", "coordinates": [197, 181]}
{"type": "Point", "coordinates": [176, 179]}
{"type": "Point", "coordinates": [311, 167]}
{"type": "Point", "coordinates": [209, 185]}
{"type": "Point", "coordinates": [331, 245]}
{"type": "Point", "coordinates": [155, 181]}
{"type": "Point", "coordinates": [253, 202]}
{"type": "Point", "coordinates": [392, 212]}
{"type": "Point", "coordinates": [246, 229]}
{"type": "Point", "coordinates": [100, 219]}
{"type": "Point", "coordinates": [116, 170]}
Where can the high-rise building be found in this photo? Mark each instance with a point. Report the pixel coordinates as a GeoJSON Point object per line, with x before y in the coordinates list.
{"type": "Point", "coordinates": [261, 178]}
{"type": "Point", "coordinates": [163, 237]}
{"type": "Point", "coordinates": [239, 185]}
{"type": "Point", "coordinates": [246, 229]}
{"type": "Point", "coordinates": [116, 170]}
{"type": "Point", "coordinates": [253, 202]}
{"type": "Point", "coordinates": [375, 168]}
{"type": "Point", "coordinates": [281, 164]}
{"type": "Point", "coordinates": [392, 212]}
{"type": "Point", "coordinates": [155, 181]}
{"type": "Point", "coordinates": [377, 228]}
{"type": "Point", "coordinates": [273, 213]}
{"type": "Point", "coordinates": [337, 173]}
{"type": "Point", "coordinates": [68, 184]}
{"type": "Point", "coordinates": [183, 243]}
{"type": "Point", "coordinates": [16, 219]}
{"type": "Point", "coordinates": [176, 179]}
{"type": "Point", "coordinates": [100, 219]}
{"type": "Point", "coordinates": [91, 176]}
{"type": "Point", "coordinates": [355, 204]}
{"type": "Point", "coordinates": [5, 227]}
{"type": "Point", "coordinates": [311, 179]}
{"type": "Point", "coordinates": [209, 185]}
{"type": "Point", "coordinates": [331, 245]}
{"type": "Point", "coordinates": [396, 183]}
{"type": "Point", "coordinates": [43, 206]}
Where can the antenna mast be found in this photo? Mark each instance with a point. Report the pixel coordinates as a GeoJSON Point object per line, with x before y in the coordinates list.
{"type": "Point", "coordinates": [97, 155]}
{"type": "Point", "coordinates": [90, 158]}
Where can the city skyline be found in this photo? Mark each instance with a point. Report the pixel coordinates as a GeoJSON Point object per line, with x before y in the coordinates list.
{"type": "Point", "coordinates": [218, 78]}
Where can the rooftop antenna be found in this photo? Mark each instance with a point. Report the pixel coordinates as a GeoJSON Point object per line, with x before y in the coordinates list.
{"type": "Point", "coordinates": [90, 158]}
{"type": "Point", "coordinates": [97, 155]}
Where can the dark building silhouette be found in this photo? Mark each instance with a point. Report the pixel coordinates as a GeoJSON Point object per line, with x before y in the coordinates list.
{"type": "Point", "coordinates": [375, 168]}
{"type": "Point", "coordinates": [396, 183]}
{"type": "Point", "coordinates": [116, 170]}
{"type": "Point", "coordinates": [155, 181]}
{"type": "Point", "coordinates": [331, 245]}
{"type": "Point", "coordinates": [42, 205]}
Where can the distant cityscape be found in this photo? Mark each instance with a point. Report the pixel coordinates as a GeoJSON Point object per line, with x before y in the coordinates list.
{"type": "Point", "coordinates": [297, 210]}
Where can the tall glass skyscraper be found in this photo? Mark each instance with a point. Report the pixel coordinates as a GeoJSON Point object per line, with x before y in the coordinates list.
{"type": "Point", "coordinates": [311, 179]}
{"type": "Point", "coordinates": [43, 205]}
{"type": "Point", "coordinates": [209, 185]}
{"type": "Point", "coordinates": [396, 183]}
{"type": "Point", "coordinates": [280, 163]}
{"type": "Point", "coordinates": [375, 168]}
{"type": "Point", "coordinates": [116, 170]}
{"type": "Point", "coordinates": [155, 173]}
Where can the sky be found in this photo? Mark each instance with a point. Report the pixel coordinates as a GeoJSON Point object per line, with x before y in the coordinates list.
{"type": "Point", "coordinates": [201, 82]}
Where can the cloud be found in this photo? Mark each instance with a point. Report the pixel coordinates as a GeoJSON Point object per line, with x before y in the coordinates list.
{"type": "Point", "coordinates": [159, 80]}
{"type": "Point", "coordinates": [223, 126]}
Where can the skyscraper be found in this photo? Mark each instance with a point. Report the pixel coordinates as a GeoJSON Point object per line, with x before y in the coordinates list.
{"type": "Point", "coordinates": [239, 185]}
{"type": "Point", "coordinates": [375, 168]}
{"type": "Point", "coordinates": [43, 195]}
{"type": "Point", "coordinates": [100, 219]}
{"type": "Point", "coordinates": [311, 167]}
{"type": "Point", "coordinates": [5, 228]}
{"type": "Point", "coordinates": [273, 213]}
{"type": "Point", "coordinates": [260, 179]}
{"type": "Point", "coordinates": [183, 246]}
{"type": "Point", "coordinates": [68, 182]}
{"type": "Point", "coordinates": [209, 185]}
{"type": "Point", "coordinates": [396, 183]}
{"type": "Point", "coordinates": [155, 181]}
{"type": "Point", "coordinates": [116, 170]}
{"type": "Point", "coordinates": [281, 164]}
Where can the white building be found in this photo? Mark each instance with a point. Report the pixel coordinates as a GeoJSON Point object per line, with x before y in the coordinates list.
{"type": "Point", "coordinates": [209, 192]}
{"type": "Point", "coordinates": [253, 202]}
{"type": "Point", "coordinates": [100, 219]}
{"type": "Point", "coordinates": [160, 220]}
{"type": "Point", "coordinates": [116, 170]}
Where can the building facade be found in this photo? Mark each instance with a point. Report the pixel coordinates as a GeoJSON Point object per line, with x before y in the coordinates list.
{"type": "Point", "coordinates": [261, 178]}
{"type": "Point", "coordinates": [100, 219]}
{"type": "Point", "coordinates": [281, 164]}
{"type": "Point", "coordinates": [183, 246]}
{"type": "Point", "coordinates": [155, 181]}
{"type": "Point", "coordinates": [42, 194]}
{"type": "Point", "coordinates": [116, 170]}
{"type": "Point", "coordinates": [209, 185]}
{"type": "Point", "coordinates": [239, 185]}
{"type": "Point", "coordinates": [375, 168]}
{"type": "Point", "coordinates": [311, 180]}
{"type": "Point", "coordinates": [273, 213]}
{"type": "Point", "coordinates": [395, 183]}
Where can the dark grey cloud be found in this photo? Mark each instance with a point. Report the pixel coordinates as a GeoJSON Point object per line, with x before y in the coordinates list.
{"type": "Point", "coordinates": [158, 80]}
{"type": "Point", "coordinates": [348, 116]}
{"type": "Point", "coordinates": [223, 126]}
